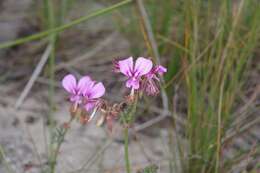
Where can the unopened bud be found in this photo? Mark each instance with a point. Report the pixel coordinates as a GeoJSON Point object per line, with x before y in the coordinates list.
{"type": "Point", "coordinates": [116, 68]}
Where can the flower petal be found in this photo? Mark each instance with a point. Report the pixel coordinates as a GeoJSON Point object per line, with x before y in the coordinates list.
{"type": "Point", "coordinates": [69, 83]}
{"type": "Point", "coordinates": [132, 83]}
{"type": "Point", "coordinates": [142, 66]}
{"type": "Point", "coordinates": [97, 91]}
{"type": "Point", "coordinates": [160, 69]}
{"type": "Point", "coordinates": [90, 106]}
{"type": "Point", "coordinates": [84, 83]}
{"type": "Point", "coordinates": [126, 66]}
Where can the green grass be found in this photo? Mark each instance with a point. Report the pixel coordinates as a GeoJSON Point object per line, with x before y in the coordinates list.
{"type": "Point", "coordinates": [208, 45]}
{"type": "Point", "coordinates": [213, 82]}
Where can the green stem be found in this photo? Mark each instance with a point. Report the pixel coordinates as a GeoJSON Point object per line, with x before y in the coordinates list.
{"type": "Point", "coordinates": [57, 150]}
{"type": "Point", "coordinates": [128, 119]}
{"type": "Point", "coordinates": [219, 128]}
{"type": "Point", "coordinates": [63, 27]}
{"type": "Point", "coordinates": [127, 162]}
{"type": "Point", "coordinates": [53, 38]}
{"type": "Point", "coordinates": [51, 23]}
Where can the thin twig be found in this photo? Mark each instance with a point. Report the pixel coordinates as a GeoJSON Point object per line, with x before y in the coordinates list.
{"type": "Point", "coordinates": [36, 153]}
{"type": "Point", "coordinates": [158, 118]}
{"type": "Point", "coordinates": [149, 34]}
{"type": "Point", "coordinates": [219, 134]}
{"type": "Point", "coordinates": [176, 117]}
{"type": "Point", "coordinates": [34, 76]}
{"type": "Point", "coordinates": [249, 103]}
{"type": "Point", "coordinates": [92, 159]}
{"type": "Point", "coordinates": [65, 26]}
{"type": "Point", "coordinates": [45, 81]}
{"type": "Point", "coordinates": [89, 54]}
{"type": "Point", "coordinates": [241, 130]}
{"type": "Point", "coordinates": [154, 121]}
{"type": "Point", "coordinates": [148, 29]}
{"type": "Point", "coordinates": [197, 59]}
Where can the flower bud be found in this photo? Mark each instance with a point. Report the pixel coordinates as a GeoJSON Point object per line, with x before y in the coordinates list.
{"type": "Point", "coordinates": [116, 68]}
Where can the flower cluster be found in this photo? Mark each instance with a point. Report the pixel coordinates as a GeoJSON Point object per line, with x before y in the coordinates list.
{"type": "Point", "coordinates": [142, 75]}
{"type": "Point", "coordinates": [85, 95]}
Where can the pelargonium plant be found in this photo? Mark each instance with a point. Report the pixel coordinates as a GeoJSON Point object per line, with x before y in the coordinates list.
{"type": "Point", "coordinates": [142, 77]}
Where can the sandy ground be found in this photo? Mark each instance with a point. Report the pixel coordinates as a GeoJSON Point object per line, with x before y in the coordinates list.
{"type": "Point", "coordinates": [24, 136]}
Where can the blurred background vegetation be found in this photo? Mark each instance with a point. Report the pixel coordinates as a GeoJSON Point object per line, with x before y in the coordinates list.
{"type": "Point", "coordinates": [211, 50]}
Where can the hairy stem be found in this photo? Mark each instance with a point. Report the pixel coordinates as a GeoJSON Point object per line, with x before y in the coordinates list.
{"type": "Point", "coordinates": [128, 119]}
{"type": "Point", "coordinates": [127, 161]}
{"type": "Point", "coordinates": [54, 157]}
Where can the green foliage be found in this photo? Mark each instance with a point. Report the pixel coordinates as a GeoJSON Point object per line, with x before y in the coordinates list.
{"type": "Point", "coordinates": [149, 169]}
{"type": "Point", "coordinates": [127, 116]}
{"type": "Point", "coordinates": [220, 41]}
{"type": "Point", "coordinates": [207, 46]}
{"type": "Point", "coordinates": [58, 135]}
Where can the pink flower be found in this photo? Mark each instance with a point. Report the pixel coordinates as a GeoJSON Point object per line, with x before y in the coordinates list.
{"type": "Point", "coordinates": [92, 93]}
{"type": "Point", "coordinates": [134, 72]}
{"type": "Point", "coordinates": [75, 89]}
{"type": "Point", "coordinates": [85, 93]}
{"type": "Point", "coordinates": [151, 81]}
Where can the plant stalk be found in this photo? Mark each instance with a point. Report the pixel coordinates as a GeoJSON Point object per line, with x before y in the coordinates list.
{"type": "Point", "coordinates": [127, 161]}
{"type": "Point", "coordinates": [57, 150]}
